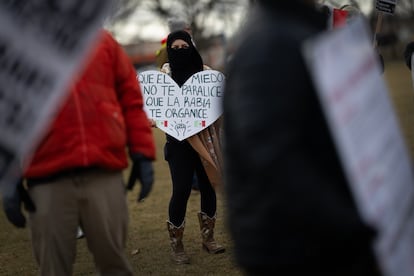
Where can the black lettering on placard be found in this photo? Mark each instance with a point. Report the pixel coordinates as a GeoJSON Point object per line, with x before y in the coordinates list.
{"type": "Point", "coordinates": [202, 91]}
{"type": "Point", "coordinates": [150, 90]}
{"type": "Point", "coordinates": [154, 101]}
{"type": "Point", "coordinates": [207, 78]}
{"type": "Point", "coordinates": [200, 113]}
{"type": "Point", "coordinates": [162, 78]}
{"type": "Point", "coordinates": [173, 102]}
{"type": "Point", "coordinates": [153, 79]}
{"type": "Point", "coordinates": [168, 90]}
{"type": "Point", "coordinates": [385, 7]}
{"type": "Point", "coordinates": [146, 78]}
{"type": "Point", "coordinates": [59, 22]}
{"type": "Point", "coordinates": [23, 85]}
{"type": "Point", "coordinates": [155, 113]}
{"type": "Point", "coordinates": [17, 70]}
{"type": "Point", "coordinates": [16, 113]}
{"type": "Point", "coordinates": [197, 102]}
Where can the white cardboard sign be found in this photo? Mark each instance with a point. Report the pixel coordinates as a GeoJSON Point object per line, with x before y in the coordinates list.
{"type": "Point", "coordinates": [366, 131]}
{"type": "Point", "coordinates": [182, 112]}
{"type": "Point", "coordinates": [42, 45]}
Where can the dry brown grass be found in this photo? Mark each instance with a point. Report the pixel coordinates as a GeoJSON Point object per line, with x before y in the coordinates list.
{"type": "Point", "coordinates": [398, 79]}
{"type": "Point", "coordinates": [147, 230]}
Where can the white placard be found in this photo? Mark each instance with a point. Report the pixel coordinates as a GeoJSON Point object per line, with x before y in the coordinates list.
{"type": "Point", "coordinates": [387, 6]}
{"type": "Point", "coordinates": [366, 131]}
{"type": "Point", "coordinates": [42, 44]}
{"type": "Point", "coordinates": [182, 112]}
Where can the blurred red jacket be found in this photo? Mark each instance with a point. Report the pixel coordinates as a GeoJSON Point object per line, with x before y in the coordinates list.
{"type": "Point", "coordinates": [102, 116]}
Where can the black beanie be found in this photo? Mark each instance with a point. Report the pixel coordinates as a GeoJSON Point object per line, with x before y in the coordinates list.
{"type": "Point", "coordinates": [178, 35]}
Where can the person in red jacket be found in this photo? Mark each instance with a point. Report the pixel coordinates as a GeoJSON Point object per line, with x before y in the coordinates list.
{"type": "Point", "coordinates": [75, 175]}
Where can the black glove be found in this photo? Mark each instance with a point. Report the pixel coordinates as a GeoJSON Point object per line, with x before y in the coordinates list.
{"type": "Point", "coordinates": [409, 49]}
{"type": "Point", "coordinates": [12, 202]}
{"type": "Point", "coordinates": [141, 170]}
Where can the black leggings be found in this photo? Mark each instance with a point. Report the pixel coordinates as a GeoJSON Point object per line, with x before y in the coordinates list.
{"type": "Point", "coordinates": [183, 161]}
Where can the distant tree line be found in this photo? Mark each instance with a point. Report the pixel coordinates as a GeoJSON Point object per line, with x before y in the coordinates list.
{"type": "Point", "coordinates": [199, 13]}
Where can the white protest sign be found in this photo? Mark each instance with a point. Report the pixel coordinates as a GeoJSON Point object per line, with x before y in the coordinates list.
{"type": "Point", "coordinates": [356, 103]}
{"type": "Point", "coordinates": [182, 112]}
{"type": "Point", "coordinates": [42, 45]}
{"type": "Point", "coordinates": [387, 6]}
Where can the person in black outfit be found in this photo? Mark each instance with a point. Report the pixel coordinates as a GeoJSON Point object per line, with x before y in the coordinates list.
{"type": "Point", "coordinates": [290, 208]}
{"type": "Point", "coordinates": [184, 160]}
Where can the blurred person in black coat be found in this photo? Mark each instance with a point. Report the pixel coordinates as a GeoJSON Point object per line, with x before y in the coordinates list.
{"type": "Point", "coordinates": [290, 208]}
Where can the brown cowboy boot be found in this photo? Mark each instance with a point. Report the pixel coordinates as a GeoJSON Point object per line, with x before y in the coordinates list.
{"type": "Point", "coordinates": [178, 254]}
{"type": "Point", "coordinates": [207, 234]}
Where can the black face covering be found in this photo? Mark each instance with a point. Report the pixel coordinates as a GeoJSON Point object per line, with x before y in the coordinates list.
{"type": "Point", "coordinates": [181, 58]}
{"type": "Point", "coordinates": [183, 62]}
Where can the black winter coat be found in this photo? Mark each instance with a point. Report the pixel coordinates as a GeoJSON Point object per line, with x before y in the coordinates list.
{"type": "Point", "coordinates": [290, 208]}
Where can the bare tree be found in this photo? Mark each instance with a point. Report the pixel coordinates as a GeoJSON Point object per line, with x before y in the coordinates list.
{"type": "Point", "coordinates": [204, 15]}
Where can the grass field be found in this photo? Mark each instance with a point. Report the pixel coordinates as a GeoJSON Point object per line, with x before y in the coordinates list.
{"type": "Point", "coordinates": [147, 229]}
